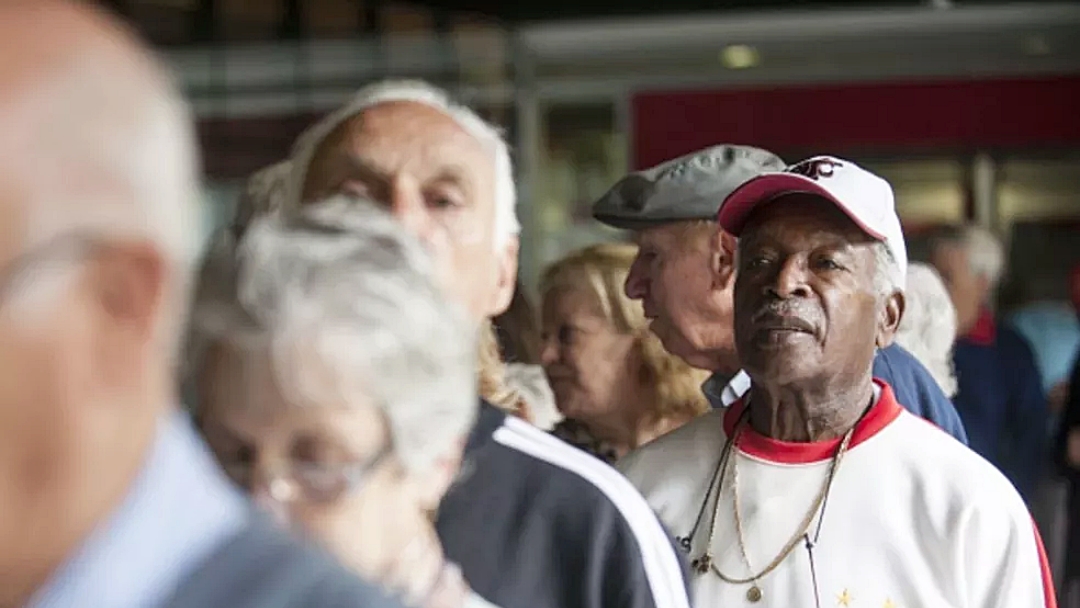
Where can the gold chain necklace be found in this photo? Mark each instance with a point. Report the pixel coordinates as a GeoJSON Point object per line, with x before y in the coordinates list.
{"type": "Point", "coordinates": [705, 562]}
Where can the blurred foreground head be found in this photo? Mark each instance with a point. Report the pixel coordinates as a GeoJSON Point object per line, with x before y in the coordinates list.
{"type": "Point", "coordinates": [98, 220]}
{"type": "Point", "coordinates": [336, 383]}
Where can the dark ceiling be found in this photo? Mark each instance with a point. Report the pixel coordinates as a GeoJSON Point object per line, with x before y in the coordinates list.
{"type": "Point", "coordinates": [536, 10]}
{"type": "Point", "coordinates": [182, 22]}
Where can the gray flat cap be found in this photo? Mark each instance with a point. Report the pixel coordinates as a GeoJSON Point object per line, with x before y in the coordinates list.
{"type": "Point", "coordinates": [690, 187]}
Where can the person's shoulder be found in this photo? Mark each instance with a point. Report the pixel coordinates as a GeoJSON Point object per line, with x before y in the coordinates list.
{"type": "Point", "coordinates": [900, 363]}
{"type": "Point", "coordinates": [909, 379]}
{"type": "Point", "coordinates": [917, 390]}
{"type": "Point", "coordinates": [584, 493]}
{"type": "Point", "coordinates": [695, 443]}
{"type": "Point", "coordinates": [970, 514]}
{"type": "Point", "coordinates": [562, 465]}
{"type": "Point", "coordinates": [1010, 338]}
{"type": "Point", "coordinates": [264, 567]}
{"type": "Point", "coordinates": [948, 468]}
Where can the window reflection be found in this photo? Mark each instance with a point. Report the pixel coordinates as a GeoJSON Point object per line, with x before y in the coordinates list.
{"type": "Point", "coordinates": [583, 153]}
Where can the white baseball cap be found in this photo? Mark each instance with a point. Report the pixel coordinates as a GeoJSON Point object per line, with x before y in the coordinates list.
{"type": "Point", "coordinates": [864, 197]}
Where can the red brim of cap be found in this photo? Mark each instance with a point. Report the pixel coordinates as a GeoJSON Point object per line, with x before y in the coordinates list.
{"type": "Point", "coordinates": [766, 188]}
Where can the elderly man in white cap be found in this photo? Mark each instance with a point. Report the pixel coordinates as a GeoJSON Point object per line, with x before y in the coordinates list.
{"type": "Point", "coordinates": [685, 271]}
{"type": "Point", "coordinates": [817, 488]}
{"type": "Point", "coordinates": [533, 522]}
{"type": "Point", "coordinates": [107, 496]}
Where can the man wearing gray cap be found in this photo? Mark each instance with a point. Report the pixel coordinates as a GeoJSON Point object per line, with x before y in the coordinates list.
{"type": "Point", "coordinates": [685, 273]}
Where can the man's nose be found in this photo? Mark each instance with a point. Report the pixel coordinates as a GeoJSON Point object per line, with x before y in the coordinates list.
{"type": "Point", "coordinates": [407, 204]}
{"type": "Point", "coordinates": [549, 351]}
{"type": "Point", "coordinates": [790, 280]}
{"type": "Point", "coordinates": [636, 285]}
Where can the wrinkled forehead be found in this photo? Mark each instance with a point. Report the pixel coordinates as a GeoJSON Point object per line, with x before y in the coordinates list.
{"type": "Point", "coordinates": [803, 219]}
{"type": "Point", "coordinates": [405, 136]}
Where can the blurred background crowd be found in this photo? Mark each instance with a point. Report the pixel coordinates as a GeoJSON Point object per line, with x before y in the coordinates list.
{"type": "Point", "coordinates": [967, 108]}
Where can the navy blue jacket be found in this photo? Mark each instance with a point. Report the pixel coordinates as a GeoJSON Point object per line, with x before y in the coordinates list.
{"type": "Point", "coordinates": [536, 523]}
{"type": "Point", "coordinates": [1069, 422]}
{"type": "Point", "coordinates": [1001, 401]}
{"type": "Point", "coordinates": [917, 391]}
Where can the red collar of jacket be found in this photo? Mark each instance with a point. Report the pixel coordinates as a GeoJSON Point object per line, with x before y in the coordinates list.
{"type": "Point", "coordinates": [984, 332]}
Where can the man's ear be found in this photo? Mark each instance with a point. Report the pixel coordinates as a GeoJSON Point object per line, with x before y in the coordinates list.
{"type": "Point", "coordinates": [506, 278]}
{"type": "Point", "coordinates": [889, 319]}
{"type": "Point", "coordinates": [722, 246]}
{"type": "Point", "coordinates": [129, 285]}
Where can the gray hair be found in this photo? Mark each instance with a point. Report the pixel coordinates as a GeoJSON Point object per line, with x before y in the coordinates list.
{"type": "Point", "coordinates": [341, 288]}
{"type": "Point", "coordinates": [115, 158]}
{"type": "Point", "coordinates": [985, 253]}
{"type": "Point", "coordinates": [506, 222]}
{"type": "Point", "coordinates": [928, 327]}
{"type": "Point", "coordinates": [888, 278]}
{"type": "Point", "coordinates": [264, 193]}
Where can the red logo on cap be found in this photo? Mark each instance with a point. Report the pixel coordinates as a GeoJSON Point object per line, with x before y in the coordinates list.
{"type": "Point", "coordinates": [815, 168]}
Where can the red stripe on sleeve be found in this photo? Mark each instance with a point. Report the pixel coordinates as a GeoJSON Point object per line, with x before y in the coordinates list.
{"type": "Point", "coordinates": [1044, 565]}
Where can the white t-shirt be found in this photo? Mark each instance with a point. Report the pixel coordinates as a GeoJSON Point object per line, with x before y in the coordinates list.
{"type": "Point", "coordinates": [914, 519]}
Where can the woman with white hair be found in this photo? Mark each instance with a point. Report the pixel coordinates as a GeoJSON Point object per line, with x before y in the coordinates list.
{"type": "Point", "coordinates": [337, 386]}
{"type": "Point", "coordinates": [928, 327]}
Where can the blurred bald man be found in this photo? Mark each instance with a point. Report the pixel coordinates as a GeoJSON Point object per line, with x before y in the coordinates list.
{"type": "Point", "coordinates": [107, 497]}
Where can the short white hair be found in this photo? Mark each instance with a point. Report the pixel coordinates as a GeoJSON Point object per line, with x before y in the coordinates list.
{"type": "Point", "coordinates": [110, 153]}
{"type": "Point", "coordinates": [888, 278]}
{"type": "Point", "coordinates": [985, 253]}
{"type": "Point", "coordinates": [264, 193]}
{"type": "Point", "coordinates": [506, 221]}
{"type": "Point", "coordinates": [346, 303]}
{"type": "Point", "coordinates": [928, 327]}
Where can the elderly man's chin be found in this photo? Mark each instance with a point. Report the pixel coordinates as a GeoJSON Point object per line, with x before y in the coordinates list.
{"type": "Point", "coordinates": [779, 354]}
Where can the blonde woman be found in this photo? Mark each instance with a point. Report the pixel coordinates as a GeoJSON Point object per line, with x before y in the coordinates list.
{"type": "Point", "coordinates": [613, 381]}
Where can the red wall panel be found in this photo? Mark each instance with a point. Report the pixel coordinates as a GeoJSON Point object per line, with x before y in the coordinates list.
{"type": "Point", "coordinates": [888, 117]}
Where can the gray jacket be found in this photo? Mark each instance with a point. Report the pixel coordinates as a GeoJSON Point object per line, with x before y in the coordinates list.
{"type": "Point", "coordinates": [262, 567]}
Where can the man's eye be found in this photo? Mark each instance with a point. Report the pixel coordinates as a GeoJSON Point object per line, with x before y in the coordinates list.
{"type": "Point", "coordinates": [828, 264]}
{"type": "Point", "coordinates": [443, 201]}
{"type": "Point", "coordinates": [758, 261]}
{"type": "Point", "coordinates": [358, 189]}
{"type": "Point", "coordinates": [566, 334]}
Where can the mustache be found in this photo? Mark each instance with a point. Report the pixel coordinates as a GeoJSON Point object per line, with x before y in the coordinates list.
{"type": "Point", "coordinates": [785, 315]}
